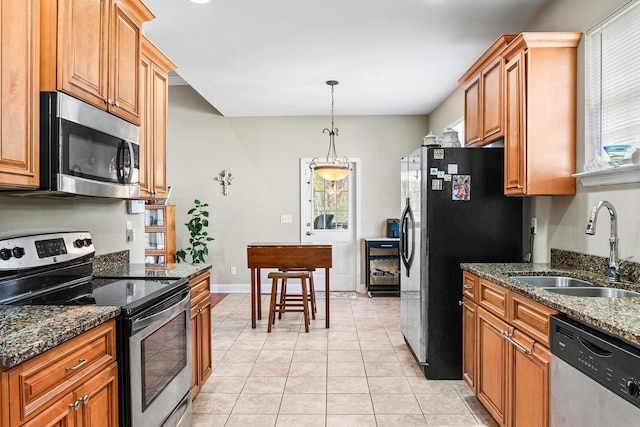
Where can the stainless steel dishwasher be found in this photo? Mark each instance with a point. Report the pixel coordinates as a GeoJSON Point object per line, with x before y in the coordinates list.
{"type": "Point", "coordinates": [595, 378]}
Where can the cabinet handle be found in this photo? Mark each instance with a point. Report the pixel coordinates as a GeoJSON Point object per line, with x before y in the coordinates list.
{"type": "Point", "coordinates": [85, 399]}
{"type": "Point", "coordinates": [461, 304]}
{"type": "Point", "coordinates": [201, 310]}
{"type": "Point", "coordinates": [509, 338]}
{"type": "Point", "coordinates": [75, 405]}
{"type": "Point", "coordinates": [201, 290]}
{"type": "Point", "coordinates": [79, 365]}
{"type": "Point", "coordinates": [519, 187]}
{"type": "Point", "coordinates": [110, 101]}
{"type": "Point", "coordinates": [117, 104]}
{"type": "Point", "coordinates": [467, 286]}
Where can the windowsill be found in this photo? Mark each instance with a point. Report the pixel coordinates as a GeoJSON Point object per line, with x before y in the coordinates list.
{"type": "Point", "coordinates": [621, 175]}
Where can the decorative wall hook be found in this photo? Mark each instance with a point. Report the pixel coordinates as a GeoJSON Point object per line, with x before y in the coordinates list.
{"type": "Point", "coordinates": [225, 179]}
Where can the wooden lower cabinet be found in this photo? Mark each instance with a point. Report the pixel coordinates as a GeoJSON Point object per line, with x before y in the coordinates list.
{"type": "Point", "coordinates": [505, 356]}
{"type": "Point", "coordinates": [73, 384]}
{"type": "Point", "coordinates": [201, 362]}
{"type": "Point", "coordinates": [469, 321]}
{"type": "Point", "coordinates": [528, 388]}
{"type": "Point", "coordinates": [492, 361]}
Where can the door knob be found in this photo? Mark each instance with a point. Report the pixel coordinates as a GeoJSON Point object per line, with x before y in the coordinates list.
{"type": "Point", "coordinates": [309, 233]}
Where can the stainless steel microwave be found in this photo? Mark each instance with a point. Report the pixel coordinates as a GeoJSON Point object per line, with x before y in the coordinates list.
{"type": "Point", "coordinates": [86, 151]}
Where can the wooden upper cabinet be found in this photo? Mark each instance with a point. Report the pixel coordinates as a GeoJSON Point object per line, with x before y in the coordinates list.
{"type": "Point", "coordinates": [483, 96]}
{"type": "Point", "coordinates": [90, 49]}
{"type": "Point", "coordinates": [154, 82]}
{"type": "Point", "coordinates": [19, 94]}
{"type": "Point", "coordinates": [539, 95]}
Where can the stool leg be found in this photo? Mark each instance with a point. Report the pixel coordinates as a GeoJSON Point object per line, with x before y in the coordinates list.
{"type": "Point", "coordinates": [272, 305]}
{"type": "Point", "coordinates": [283, 296]}
{"type": "Point", "coordinates": [305, 304]}
{"type": "Point", "coordinates": [313, 297]}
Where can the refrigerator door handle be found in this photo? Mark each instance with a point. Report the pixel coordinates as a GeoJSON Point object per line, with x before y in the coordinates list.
{"type": "Point", "coordinates": [407, 221]}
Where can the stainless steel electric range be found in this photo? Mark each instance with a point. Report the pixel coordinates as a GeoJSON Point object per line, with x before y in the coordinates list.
{"type": "Point", "coordinates": [154, 328]}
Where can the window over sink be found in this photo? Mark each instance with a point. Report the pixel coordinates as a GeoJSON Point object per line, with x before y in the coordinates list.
{"type": "Point", "coordinates": [612, 98]}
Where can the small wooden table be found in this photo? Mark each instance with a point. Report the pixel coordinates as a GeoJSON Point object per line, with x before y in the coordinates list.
{"type": "Point", "coordinates": [285, 256]}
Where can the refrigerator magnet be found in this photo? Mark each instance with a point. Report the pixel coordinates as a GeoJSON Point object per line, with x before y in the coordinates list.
{"type": "Point", "coordinates": [436, 184]}
{"type": "Point", "coordinates": [433, 171]}
{"type": "Point", "coordinates": [461, 187]}
{"type": "Point", "coordinates": [452, 168]}
{"type": "Point", "coordinates": [438, 154]}
{"type": "Point", "coordinates": [440, 174]}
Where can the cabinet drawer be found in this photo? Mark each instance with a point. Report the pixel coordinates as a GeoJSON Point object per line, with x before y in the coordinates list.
{"type": "Point", "coordinates": [469, 286]}
{"type": "Point", "coordinates": [35, 382]}
{"type": "Point", "coordinates": [200, 285]}
{"type": "Point", "coordinates": [531, 317]}
{"type": "Point", "coordinates": [493, 298]}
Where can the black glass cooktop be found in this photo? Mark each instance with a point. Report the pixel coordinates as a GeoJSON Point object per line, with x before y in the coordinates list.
{"type": "Point", "coordinates": [130, 294]}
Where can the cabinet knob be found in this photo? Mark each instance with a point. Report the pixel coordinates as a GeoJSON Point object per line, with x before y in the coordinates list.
{"type": "Point", "coordinates": [117, 104]}
{"type": "Point", "coordinates": [75, 405]}
{"type": "Point", "coordinates": [519, 187]}
{"type": "Point", "coordinates": [110, 101]}
{"type": "Point", "coordinates": [85, 399]}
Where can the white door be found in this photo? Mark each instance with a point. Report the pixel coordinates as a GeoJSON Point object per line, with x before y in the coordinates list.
{"type": "Point", "coordinates": [330, 214]}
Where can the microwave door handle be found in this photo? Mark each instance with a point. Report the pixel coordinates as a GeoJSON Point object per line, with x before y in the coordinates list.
{"type": "Point", "coordinates": [127, 166]}
{"type": "Point", "coordinates": [119, 169]}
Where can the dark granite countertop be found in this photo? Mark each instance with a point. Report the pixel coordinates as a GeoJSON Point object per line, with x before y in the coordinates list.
{"type": "Point", "coordinates": [26, 331]}
{"type": "Point", "coordinates": [616, 316]}
{"type": "Point", "coordinates": [172, 271]}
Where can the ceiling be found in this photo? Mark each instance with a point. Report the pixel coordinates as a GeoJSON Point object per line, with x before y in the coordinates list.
{"type": "Point", "coordinates": [252, 58]}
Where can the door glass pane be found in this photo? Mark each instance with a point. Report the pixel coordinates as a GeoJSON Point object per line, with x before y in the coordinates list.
{"type": "Point", "coordinates": [330, 204]}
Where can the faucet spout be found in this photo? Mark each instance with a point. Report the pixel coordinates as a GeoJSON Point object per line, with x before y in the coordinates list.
{"type": "Point", "coordinates": [613, 271]}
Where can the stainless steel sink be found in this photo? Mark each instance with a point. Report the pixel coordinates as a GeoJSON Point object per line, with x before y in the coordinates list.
{"type": "Point", "coordinates": [553, 281]}
{"type": "Point", "coordinates": [595, 291]}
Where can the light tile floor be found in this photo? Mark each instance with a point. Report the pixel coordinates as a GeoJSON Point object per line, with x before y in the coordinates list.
{"type": "Point", "coordinates": [357, 373]}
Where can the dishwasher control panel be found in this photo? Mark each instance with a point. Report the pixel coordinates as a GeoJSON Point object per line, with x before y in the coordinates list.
{"type": "Point", "coordinates": [606, 359]}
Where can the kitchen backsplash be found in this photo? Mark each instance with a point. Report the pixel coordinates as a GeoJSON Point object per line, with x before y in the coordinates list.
{"type": "Point", "coordinates": [629, 271]}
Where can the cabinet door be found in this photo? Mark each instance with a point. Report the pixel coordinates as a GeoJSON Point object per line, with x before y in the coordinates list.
{"type": "Point", "coordinates": [492, 361]}
{"type": "Point", "coordinates": [99, 399]}
{"type": "Point", "coordinates": [146, 141]}
{"type": "Point", "coordinates": [195, 351]}
{"type": "Point", "coordinates": [529, 383]}
{"type": "Point", "coordinates": [514, 126]}
{"type": "Point", "coordinates": [19, 86]}
{"type": "Point", "coordinates": [58, 414]}
{"type": "Point", "coordinates": [469, 310]}
{"type": "Point", "coordinates": [204, 318]}
{"type": "Point", "coordinates": [124, 64]}
{"type": "Point", "coordinates": [158, 116]}
{"type": "Point", "coordinates": [83, 27]}
{"type": "Point", "coordinates": [472, 112]}
{"type": "Point", "coordinates": [491, 114]}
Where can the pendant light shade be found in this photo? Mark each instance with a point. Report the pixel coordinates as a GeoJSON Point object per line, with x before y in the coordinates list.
{"type": "Point", "coordinates": [333, 169]}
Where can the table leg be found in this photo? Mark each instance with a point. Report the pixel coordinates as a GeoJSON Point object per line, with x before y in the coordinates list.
{"type": "Point", "coordinates": [326, 296]}
{"type": "Point", "coordinates": [253, 298]}
{"type": "Point", "coordinates": [259, 294]}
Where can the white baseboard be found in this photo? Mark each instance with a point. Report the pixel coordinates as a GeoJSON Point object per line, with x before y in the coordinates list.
{"type": "Point", "coordinates": [241, 288]}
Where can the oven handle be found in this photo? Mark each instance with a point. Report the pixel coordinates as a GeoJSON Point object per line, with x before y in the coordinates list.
{"type": "Point", "coordinates": [167, 314]}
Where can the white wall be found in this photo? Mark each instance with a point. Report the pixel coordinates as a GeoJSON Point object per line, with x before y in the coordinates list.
{"type": "Point", "coordinates": [562, 220]}
{"type": "Point", "coordinates": [263, 156]}
{"type": "Point", "coordinates": [105, 218]}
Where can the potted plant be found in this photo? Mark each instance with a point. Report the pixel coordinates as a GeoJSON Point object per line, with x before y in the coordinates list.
{"type": "Point", "coordinates": [199, 237]}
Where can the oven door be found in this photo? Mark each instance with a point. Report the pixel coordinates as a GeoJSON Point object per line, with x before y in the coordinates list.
{"type": "Point", "coordinates": [159, 363]}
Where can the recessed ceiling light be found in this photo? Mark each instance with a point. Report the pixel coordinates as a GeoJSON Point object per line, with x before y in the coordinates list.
{"type": "Point", "coordinates": [200, 1]}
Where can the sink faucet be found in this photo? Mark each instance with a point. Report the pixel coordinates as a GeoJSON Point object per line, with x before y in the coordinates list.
{"type": "Point", "coordinates": [613, 272]}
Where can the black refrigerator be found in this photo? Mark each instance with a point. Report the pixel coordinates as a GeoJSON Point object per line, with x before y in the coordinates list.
{"type": "Point", "coordinates": [453, 210]}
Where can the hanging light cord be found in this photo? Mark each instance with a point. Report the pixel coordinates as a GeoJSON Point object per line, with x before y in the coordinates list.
{"type": "Point", "coordinates": [332, 156]}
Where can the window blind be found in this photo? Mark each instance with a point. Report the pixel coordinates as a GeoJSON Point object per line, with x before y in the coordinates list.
{"type": "Point", "coordinates": [612, 81]}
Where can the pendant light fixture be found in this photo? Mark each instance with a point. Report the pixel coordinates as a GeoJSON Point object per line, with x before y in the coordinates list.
{"type": "Point", "coordinates": [332, 169]}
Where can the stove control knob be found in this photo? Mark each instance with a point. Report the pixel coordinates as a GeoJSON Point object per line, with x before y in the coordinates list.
{"type": "Point", "coordinates": [88, 242]}
{"type": "Point", "coordinates": [18, 252]}
{"type": "Point", "coordinates": [78, 243]}
{"type": "Point", "coordinates": [633, 388]}
{"type": "Point", "coordinates": [5, 254]}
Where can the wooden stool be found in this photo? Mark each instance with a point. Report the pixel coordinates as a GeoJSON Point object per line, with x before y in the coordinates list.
{"type": "Point", "coordinates": [298, 297]}
{"type": "Point", "coordinates": [284, 305]}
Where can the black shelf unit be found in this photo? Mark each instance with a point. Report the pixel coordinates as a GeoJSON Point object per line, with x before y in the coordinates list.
{"type": "Point", "coordinates": [382, 265]}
